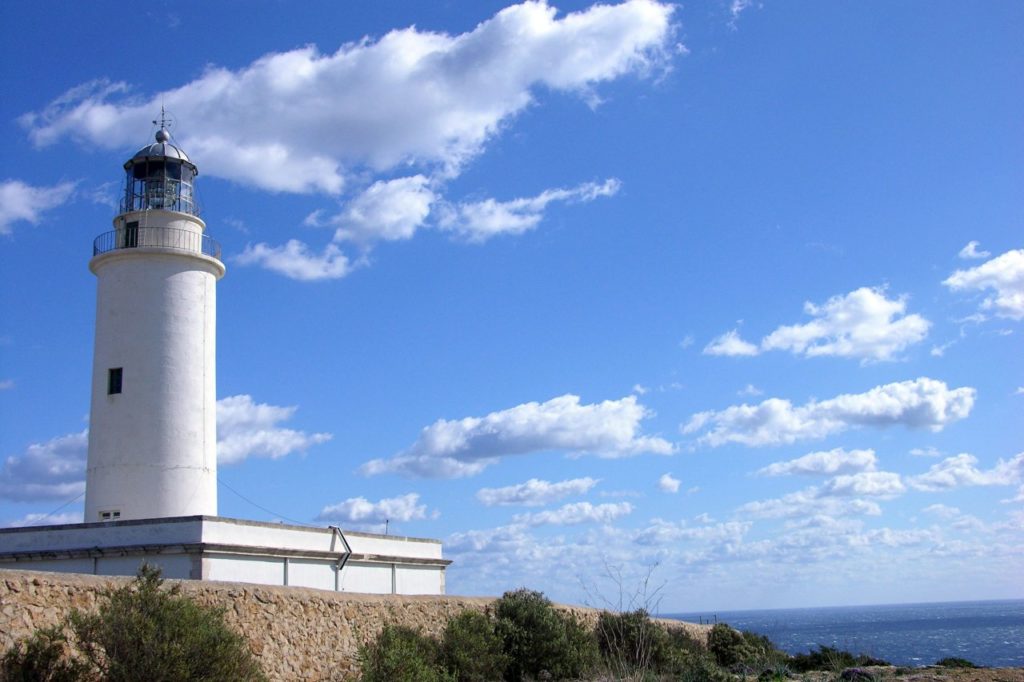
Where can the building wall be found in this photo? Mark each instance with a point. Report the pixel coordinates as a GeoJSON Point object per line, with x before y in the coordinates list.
{"type": "Point", "coordinates": [296, 633]}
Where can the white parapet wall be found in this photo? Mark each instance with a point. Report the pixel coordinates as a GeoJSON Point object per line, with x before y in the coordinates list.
{"type": "Point", "coordinates": [216, 548]}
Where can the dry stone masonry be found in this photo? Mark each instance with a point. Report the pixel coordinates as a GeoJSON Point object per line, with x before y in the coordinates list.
{"type": "Point", "coordinates": [296, 633]}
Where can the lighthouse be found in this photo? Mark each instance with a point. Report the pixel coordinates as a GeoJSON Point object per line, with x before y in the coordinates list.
{"type": "Point", "coordinates": [152, 425]}
{"type": "Point", "coordinates": [151, 472]}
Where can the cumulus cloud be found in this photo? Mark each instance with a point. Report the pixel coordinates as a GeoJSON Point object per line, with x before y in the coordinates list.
{"type": "Point", "coordinates": [20, 202]}
{"type": "Point", "coordinates": [835, 461]}
{"type": "Point", "coordinates": [576, 513]}
{"type": "Point", "coordinates": [535, 492]}
{"type": "Point", "coordinates": [883, 484]}
{"type": "Point", "coordinates": [941, 510]}
{"type": "Point", "coordinates": [295, 261]}
{"type": "Point", "coordinates": [247, 429]}
{"type": "Point", "coordinates": [479, 221]}
{"type": "Point", "coordinates": [810, 502]}
{"type": "Point", "coordinates": [970, 252]}
{"type": "Point", "coordinates": [862, 324]}
{"type": "Point", "coordinates": [668, 484]}
{"type": "Point", "coordinates": [1003, 276]}
{"type": "Point", "coordinates": [411, 96]}
{"type": "Point", "coordinates": [962, 470]}
{"type": "Point", "coordinates": [730, 344]}
{"type": "Point", "coordinates": [53, 470]}
{"type": "Point", "coordinates": [662, 532]}
{"type": "Point", "coordinates": [464, 447]}
{"type": "Point", "coordinates": [388, 210]}
{"type": "Point", "coordinates": [45, 520]}
{"type": "Point", "coordinates": [362, 512]}
{"type": "Point", "coordinates": [919, 403]}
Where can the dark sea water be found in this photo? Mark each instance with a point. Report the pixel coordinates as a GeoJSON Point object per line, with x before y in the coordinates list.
{"type": "Point", "coordinates": [988, 633]}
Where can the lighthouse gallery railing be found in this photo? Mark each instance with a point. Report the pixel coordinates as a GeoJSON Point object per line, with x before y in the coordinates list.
{"type": "Point", "coordinates": [161, 237]}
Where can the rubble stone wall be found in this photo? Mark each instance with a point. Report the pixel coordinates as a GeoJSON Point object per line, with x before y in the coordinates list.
{"type": "Point", "coordinates": [296, 633]}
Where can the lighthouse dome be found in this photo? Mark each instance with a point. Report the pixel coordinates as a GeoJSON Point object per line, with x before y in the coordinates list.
{"type": "Point", "coordinates": [162, 148]}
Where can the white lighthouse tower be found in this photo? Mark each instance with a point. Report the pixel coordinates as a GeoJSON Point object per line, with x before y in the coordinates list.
{"type": "Point", "coordinates": [152, 428]}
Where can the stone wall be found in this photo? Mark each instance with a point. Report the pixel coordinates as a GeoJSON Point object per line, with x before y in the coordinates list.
{"type": "Point", "coordinates": [296, 633]}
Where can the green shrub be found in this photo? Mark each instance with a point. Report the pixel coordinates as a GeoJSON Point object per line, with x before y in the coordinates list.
{"type": "Point", "coordinates": [955, 662]}
{"type": "Point", "coordinates": [831, 659]}
{"type": "Point", "coordinates": [631, 642]}
{"type": "Point", "coordinates": [725, 644]}
{"type": "Point", "coordinates": [145, 632]}
{"type": "Point", "coordinates": [471, 650]}
{"type": "Point", "coordinates": [140, 632]}
{"type": "Point", "coordinates": [401, 654]}
{"type": "Point", "coordinates": [538, 639]}
{"type": "Point", "coordinates": [43, 657]}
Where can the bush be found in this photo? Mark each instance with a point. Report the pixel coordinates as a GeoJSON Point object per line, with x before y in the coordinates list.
{"type": "Point", "coordinates": [43, 657]}
{"type": "Point", "coordinates": [471, 650]}
{"type": "Point", "coordinates": [831, 659]}
{"type": "Point", "coordinates": [141, 632]}
{"type": "Point", "coordinates": [955, 662]}
{"type": "Point", "coordinates": [630, 642]}
{"type": "Point", "coordinates": [725, 644]}
{"type": "Point", "coordinates": [538, 639]}
{"type": "Point", "coordinates": [401, 654]}
{"type": "Point", "coordinates": [144, 632]}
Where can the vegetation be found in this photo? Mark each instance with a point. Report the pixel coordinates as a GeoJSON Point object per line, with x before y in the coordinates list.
{"type": "Point", "coordinates": [401, 654]}
{"type": "Point", "coordinates": [955, 662]}
{"type": "Point", "coordinates": [472, 650]}
{"type": "Point", "coordinates": [140, 632]}
{"type": "Point", "coordinates": [828, 658]}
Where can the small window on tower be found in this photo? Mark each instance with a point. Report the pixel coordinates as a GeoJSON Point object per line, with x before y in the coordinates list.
{"type": "Point", "coordinates": [112, 515]}
{"type": "Point", "coordinates": [114, 380]}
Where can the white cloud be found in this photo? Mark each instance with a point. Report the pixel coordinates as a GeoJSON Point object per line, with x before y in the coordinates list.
{"type": "Point", "coordinates": [294, 260]}
{"type": "Point", "coordinates": [479, 221]}
{"type": "Point", "coordinates": [6, 384]}
{"type": "Point", "coordinates": [961, 470]}
{"type": "Point", "coordinates": [687, 341]}
{"type": "Point", "coordinates": [301, 120]}
{"type": "Point", "coordinates": [360, 511]}
{"type": "Point", "coordinates": [668, 484]}
{"type": "Point", "coordinates": [929, 451]}
{"type": "Point", "coordinates": [836, 461]}
{"type": "Point", "coordinates": [941, 510]}
{"type": "Point", "coordinates": [810, 502]}
{"type": "Point", "coordinates": [20, 202]}
{"type": "Point", "coordinates": [464, 447]}
{"type": "Point", "coordinates": [883, 484]}
{"type": "Point", "coordinates": [54, 470]}
{"type": "Point", "coordinates": [750, 390]}
{"type": "Point", "coordinates": [730, 344]}
{"type": "Point", "coordinates": [1004, 275]}
{"type": "Point", "coordinates": [388, 210]}
{"type": "Point", "coordinates": [248, 429]}
{"type": "Point", "coordinates": [970, 252]}
{"type": "Point", "coordinates": [861, 324]}
{"type": "Point", "coordinates": [661, 532]}
{"type": "Point", "coordinates": [535, 492]}
{"type": "Point", "coordinates": [576, 513]}
{"type": "Point", "coordinates": [919, 403]}
{"type": "Point", "coordinates": [45, 520]}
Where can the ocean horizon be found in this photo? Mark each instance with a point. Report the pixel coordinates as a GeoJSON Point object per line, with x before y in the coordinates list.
{"type": "Point", "coordinates": [988, 633]}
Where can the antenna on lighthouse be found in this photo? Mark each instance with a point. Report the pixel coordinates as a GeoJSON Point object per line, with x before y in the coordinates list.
{"type": "Point", "coordinates": [166, 122]}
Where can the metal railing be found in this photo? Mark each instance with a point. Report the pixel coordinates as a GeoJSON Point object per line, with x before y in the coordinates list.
{"type": "Point", "coordinates": [159, 237]}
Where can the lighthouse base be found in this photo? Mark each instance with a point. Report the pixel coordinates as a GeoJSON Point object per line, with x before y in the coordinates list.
{"type": "Point", "coordinates": [217, 548]}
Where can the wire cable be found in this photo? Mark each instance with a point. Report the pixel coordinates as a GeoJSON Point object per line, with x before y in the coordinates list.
{"type": "Point", "coordinates": [271, 512]}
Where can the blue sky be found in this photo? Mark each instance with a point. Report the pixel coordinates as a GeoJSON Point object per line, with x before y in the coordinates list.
{"type": "Point", "coordinates": [727, 293]}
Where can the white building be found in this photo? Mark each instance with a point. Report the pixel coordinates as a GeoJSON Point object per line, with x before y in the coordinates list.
{"type": "Point", "coordinates": [151, 481]}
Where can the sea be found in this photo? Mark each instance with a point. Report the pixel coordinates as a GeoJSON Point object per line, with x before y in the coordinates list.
{"type": "Point", "coordinates": [987, 633]}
